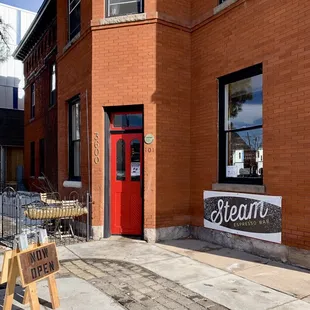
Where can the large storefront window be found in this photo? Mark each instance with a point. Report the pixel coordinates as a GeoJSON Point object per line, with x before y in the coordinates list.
{"type": "Point", "coordinates": [241, 126]}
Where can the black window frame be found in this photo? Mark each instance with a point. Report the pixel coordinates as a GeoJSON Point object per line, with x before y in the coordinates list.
{"type": "Point", "coordinates": [73, 33]}
{"type": "Point", "coordinates": [53, 98]}
{"type": "Point", "coordinates": [222, 81]}
{"type": "Point", "coordinates": [32, 159]}
{"type": "Point", "coordinates": [72, 176]}
{"type": "Point", "coordinates": [33, 100]}
{"type": "Point", "coordinates": [107, 5]}
{"type": "Point", "coordinates": [42, 156]}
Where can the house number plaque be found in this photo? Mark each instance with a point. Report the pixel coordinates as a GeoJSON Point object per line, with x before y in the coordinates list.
{"type": "Point", "coordinates": [96, 149]}
{"type": "Point", "coordinates": [148, 139]}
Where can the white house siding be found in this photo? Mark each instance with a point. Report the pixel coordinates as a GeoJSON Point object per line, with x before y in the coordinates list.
{"type": "Point", "coordinates": [11, 71]}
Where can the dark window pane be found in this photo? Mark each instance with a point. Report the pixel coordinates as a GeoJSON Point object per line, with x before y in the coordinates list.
{"type": "Point", "coordinates": [134, 120]}
{"type": "Point", "coordinates": [120, 160]}
{"type": "Point", "coordinates": [33, 100]}
{"type": "Point", "coordinates": [120, 121]}
{"type": "Point", "coordinates": [53, 85]}
{"type": "Point", "coordinates": [74, 141]}
{"type": "Point", "coordinates": [77, 160]}
{"type": "Point", "coordinates": [73, 4]}
{"type": "Point", "coordinates": [127, 120]}
{"type": "Point", "coordinates": [245, 103]}
{"type": "Point", "coordinates": [32, 159]}
{"type": "Point", "coordinates": [135, 160]}
{"type": "Point", "coordinates": [75, 21]}
{"type": "Point", "coordinates": [42, 157]}
{"type": "Point", "coordinates": [75, 122]}
{"type": "Point", "coordinates": [245, 153]}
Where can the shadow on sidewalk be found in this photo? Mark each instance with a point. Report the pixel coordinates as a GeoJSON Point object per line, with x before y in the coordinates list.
{"type": "Point", "coordinates": [192, 247]}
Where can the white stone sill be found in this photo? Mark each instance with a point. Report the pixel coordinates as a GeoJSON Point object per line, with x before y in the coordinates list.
{"type": "Point", "coordinates": [239, 188]}
{"type": "Point", "coordinates": [72, 184]}
{"type": "Point", "coordinates": [123, 19]}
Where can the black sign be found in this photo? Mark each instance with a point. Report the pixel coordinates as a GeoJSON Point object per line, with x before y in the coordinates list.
{"type": "Point", "coordinates": [243, 214]}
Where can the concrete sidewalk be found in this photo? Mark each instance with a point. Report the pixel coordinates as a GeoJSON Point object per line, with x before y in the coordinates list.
{"type": "Point", "coordinates": [233, 279]}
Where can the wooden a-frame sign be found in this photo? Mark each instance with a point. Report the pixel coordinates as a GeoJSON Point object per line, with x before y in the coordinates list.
{"type": "Point", "coordinates": [36, 263]}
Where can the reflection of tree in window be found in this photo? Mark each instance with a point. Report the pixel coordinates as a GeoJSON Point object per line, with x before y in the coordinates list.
{"type": "Point", "coordinates": [240, 92]}
{"type": "Point", "coordinates": [120, 160]}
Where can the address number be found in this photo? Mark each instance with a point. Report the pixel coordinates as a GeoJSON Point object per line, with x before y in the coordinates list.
{"type": "Point", "coordinates": [96, 149]}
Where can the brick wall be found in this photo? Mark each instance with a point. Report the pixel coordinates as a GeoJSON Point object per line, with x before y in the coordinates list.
{"type": "Point", "coordinates": [178, 10]}
{"type": "Point", "coordinates": [37, 70]}
{"type": "Point", "coordinates": [272, 33]}
{"type": "Point", "coordinates": [73, 80]}
{"type": "Point", "coordinates": [173, 126]}
{"type": "Point", "coordinates": [123, 73]}
{"type": "Point", "coordinates": [172, 71]}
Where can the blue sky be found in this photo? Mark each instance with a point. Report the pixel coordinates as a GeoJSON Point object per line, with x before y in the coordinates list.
{"type": "Point", "coordinates": [30, 5]}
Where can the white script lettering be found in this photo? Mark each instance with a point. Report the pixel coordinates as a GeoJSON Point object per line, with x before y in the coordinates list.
{"type": "Point", "coordinates": [233, 213]}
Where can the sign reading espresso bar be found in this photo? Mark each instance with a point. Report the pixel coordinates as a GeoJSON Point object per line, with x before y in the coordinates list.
{"type": "Point", "coordinates": [255, 216]}
{"type": "Point", "coordinates": [38, 263]}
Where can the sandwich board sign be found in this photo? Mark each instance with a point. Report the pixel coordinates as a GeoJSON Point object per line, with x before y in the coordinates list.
{"type": "Point", "coordinates": [33, 264]}
{"type": "Point", "coordinates": [38, 263]}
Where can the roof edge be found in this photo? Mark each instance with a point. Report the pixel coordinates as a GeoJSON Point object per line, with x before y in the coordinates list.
{"type": "Point", "coordinates": [31, 28]}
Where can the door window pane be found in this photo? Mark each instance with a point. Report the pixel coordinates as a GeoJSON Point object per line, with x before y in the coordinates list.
{"type": "Point", "coordinates": [127, 120]}
{"type": "Point", "coordinates": [120, 160]}
{"type": "Point", "coordinates": [135, 160]}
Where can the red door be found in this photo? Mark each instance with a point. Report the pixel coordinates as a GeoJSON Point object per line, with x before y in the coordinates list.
{"type": "Point", "coordinates": [126, 177]}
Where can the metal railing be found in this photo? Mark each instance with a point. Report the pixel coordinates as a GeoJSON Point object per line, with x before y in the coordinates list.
{"type": "Point", "coordinates": [66, 219]}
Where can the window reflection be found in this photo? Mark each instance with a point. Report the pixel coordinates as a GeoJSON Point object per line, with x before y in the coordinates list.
{"type": "Point", "coordinates": [245, 153]}
{"type": "Point", "coordinates": [135, 160]}
{"type": "Point", "coordinates": [244, 127]}
{"type": "Point", "coordinates": [245, 100]}
{"type": "Point", "coordinates": [120, 160]}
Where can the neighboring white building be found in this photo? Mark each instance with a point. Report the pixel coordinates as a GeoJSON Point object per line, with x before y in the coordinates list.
{"type": "Point", "coordinates": [12, 100]}
{"type": "Point", "coordinates": [238, 159]}
{"type": "Point", "coordinates": [11, 71]}
{"type": "Point", "coordinates": [259, 160]}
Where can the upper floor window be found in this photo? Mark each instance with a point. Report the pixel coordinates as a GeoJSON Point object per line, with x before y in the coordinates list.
{"type": "Point", "coordinates": [221, 1]}
{"type": "Point", "coordinates": [53, 85]}
{"type": "Point", "coordinates": [241, 126]}
{"type": "Point", "coordinates": [124, 7]}
{"type": "Point", "coordinates": [74, 18]}
{"type": "Point", "coordinates": [33, 100]}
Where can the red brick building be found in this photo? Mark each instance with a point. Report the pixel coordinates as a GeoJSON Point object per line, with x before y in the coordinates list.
{"type": "Point", "coordinates": [151, 96]}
